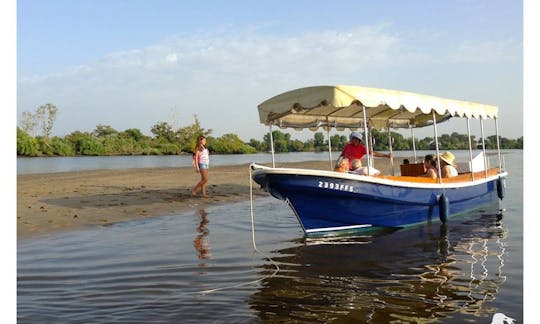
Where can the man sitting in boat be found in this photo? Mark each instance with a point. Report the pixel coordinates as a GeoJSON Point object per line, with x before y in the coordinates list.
{"type": "Point", "coordinates": [447, 165]}
{"type": "Point", "coordinates": [355, 150]}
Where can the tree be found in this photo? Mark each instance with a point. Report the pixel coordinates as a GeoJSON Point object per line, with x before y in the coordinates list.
{"type": "Point", "coordinates": [229, 144]}
{"type": "Point", "coordinates": [187, 136]}
{"type": "Point", "coordinates": [297, 146]}
{"type": "Point", "coordinates": [104, 131]}
{"type": "Point", "coordinates": [281, 141]}
{"type": "Point", "coordinates": [338, 142]}
{"type": "Point", "coordinates": [28, 123]}
{"type": "Point", "coordinates": [319, 140]}
{"type": "Point", "coordinates": [258, 145]}
{"type": "Point", "coordinates": [163, 131]}
{"type": "Point", "coordinates": [44, 117]}
{"type": "Point", "coordinates": [132, 133]}
{"type": "Point", "coordinates": [46, 114]}
{"type": "Point", "coordinates": [26, 144]}
{"type": "Point", "coordinates": [85, 144]}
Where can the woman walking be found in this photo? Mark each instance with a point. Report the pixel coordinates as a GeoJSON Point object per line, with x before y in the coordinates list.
{"type": "Point", "coordinates": [201, 162]}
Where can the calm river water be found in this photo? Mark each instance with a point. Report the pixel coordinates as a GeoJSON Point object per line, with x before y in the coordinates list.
{"type": "Point", "coordinates": [201, 267]}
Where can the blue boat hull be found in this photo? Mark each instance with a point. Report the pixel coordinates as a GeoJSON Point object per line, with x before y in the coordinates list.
{"type": "Point", "coordinates": [333, 203]}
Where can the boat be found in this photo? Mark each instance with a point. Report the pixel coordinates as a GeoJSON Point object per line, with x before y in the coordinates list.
{"type": "Point", "coordinates": [328, 201]}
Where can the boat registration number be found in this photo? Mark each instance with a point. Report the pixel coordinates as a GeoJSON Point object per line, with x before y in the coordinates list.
{"type": "Point", "coordinates": [336, 186]}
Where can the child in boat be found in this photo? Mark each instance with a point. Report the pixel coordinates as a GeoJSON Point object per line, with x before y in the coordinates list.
{"type": "Point", "coordinates": [343, 165]}
{"type": "Point", "coordinates": [430, 167]}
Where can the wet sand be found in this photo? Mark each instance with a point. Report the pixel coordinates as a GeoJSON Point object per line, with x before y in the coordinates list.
{"type": "Point", "coordinates": [48, 203]}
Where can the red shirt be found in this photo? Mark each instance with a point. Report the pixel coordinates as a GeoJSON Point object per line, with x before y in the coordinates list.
{"type": "Point", "coordinates": [353, 152]}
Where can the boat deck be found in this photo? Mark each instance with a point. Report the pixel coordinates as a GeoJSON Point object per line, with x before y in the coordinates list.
{"type": "Point", "coordinates": [462, 177]}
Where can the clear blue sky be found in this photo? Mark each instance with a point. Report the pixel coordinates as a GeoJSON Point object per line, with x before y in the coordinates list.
{"type": "Point", "coordinates": [131, 63]}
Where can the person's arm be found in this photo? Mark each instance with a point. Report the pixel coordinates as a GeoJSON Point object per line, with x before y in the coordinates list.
{"type": "Point", "coordinates": [431, 174]}
{"type": "Point", "coordinates": [445, 173]}
{"type": "Point", "coordinates": [197, 161]}
{"type": "Point", "coordinates": [338, 161]}
{"type": "Point", "coordinates": [386, 155]}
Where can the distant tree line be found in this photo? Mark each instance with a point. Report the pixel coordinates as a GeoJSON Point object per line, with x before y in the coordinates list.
{"type": "Point", "coordinates": [34, 139]}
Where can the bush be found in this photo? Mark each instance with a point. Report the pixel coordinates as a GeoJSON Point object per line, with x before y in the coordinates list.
{"type": "Point", "coordinates": [168, 148]}
{"type": "Point", "coordinates": [44, 146]}
{"type": "Point", "coordinates": [62, 147]}
{"type": "Point", "coordinates": [229, 144]}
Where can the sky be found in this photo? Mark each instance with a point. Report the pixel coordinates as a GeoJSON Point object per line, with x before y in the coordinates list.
{"type": "Point", "coordinates": [134, 63]}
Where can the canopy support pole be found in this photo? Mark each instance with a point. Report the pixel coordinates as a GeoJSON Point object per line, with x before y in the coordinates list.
{"type": "Point", "coordinates": [498, 143]}
{"type": "Point", "coordinates": [329, 146]}
{"type": "Point", "coordinates": [272, 147]}
{"type": "Point", "coordinates": [470, 147]}
{"type": "Point", "coordinates": [413, 142]}
{"type": "Point", "coordinates": [366, 136]}
{"type": "Point", "coordinates": [372, 145]}
{"type": "Point", "coordinates": [484, 147]}
{"type": "Point", "coordinates": [390, 149]}
{"type": "Point", "coordinates": [437, 146]}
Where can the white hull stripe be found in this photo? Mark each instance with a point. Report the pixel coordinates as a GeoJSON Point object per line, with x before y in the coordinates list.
{"type": "Point", "coordinates": [336, 228]}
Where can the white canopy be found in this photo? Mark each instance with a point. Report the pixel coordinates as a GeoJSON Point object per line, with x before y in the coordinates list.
{"type": "Point", "coordinates": [341, 107]}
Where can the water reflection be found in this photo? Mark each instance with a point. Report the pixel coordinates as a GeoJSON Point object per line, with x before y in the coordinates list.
{"type": "Point", "coordinates": [424, 273]}
{"type": "Point", "coordinates": [202, 240]}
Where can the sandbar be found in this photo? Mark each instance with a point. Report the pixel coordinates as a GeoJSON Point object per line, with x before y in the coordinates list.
{"type": "Point", "coordinates": [53, 202]}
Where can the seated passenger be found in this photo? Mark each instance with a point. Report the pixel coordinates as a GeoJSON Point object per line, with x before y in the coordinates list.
{"type": "Point", "coordinates": [447, 165]}
{"type": "Point", "coordinates": [430, 167]}
{"type": "Point", "coordinates": [356, 164]}
{"type": "Point", "coordinates": [343, 165]}
{"type": "Point", "coordinates": [359, 169]}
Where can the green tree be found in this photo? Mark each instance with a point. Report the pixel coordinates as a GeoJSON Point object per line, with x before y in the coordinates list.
{"type": "Point", "coordinates": [61, 147]}
{"type": "Point", "coordinates": [168, 148]}
{"type": "Point", "coordinates": [187, 136]}
{"type": "Point", "coordinates": [104, 131]}
{"type": "Point", "coordinates": [296, 146]}
{"type": "Point", "coordinates": [319, 142]}
{"type": "Point", "coordinates": [45, 147]}
{"type": "Point", "coordinates": [132, 133]}
{"type": "Point", "coordinates": [26, 144]}
{"type": "Point", "coordinates": [260, 146]}
{"type": "Point", "coordinates": [86, 144]}
{"type": "Point", "coordinates": [163, 132]}
{"type": "Point", "coordinates": [338, 142]}
{"type": "Point", "coordinates": [281, 141]}
{"type": "Point", "coordinates": [229, 144]}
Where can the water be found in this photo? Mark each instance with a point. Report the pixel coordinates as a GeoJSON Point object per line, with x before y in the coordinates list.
{"type": "Point", "coordinates": [160, 269]}
{"type": "Point", "coordinates": [27, 165]}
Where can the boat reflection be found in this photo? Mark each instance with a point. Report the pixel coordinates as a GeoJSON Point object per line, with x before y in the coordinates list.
{"type": "Point", "coordinates": [423, 274]}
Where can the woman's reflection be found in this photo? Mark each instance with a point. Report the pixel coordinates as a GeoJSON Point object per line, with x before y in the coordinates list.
{"type": "Point", "coordinates": [202, 240]}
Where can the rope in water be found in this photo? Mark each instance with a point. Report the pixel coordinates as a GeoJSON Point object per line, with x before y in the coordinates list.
{"type": "Point", "coordinates": [209, 291]}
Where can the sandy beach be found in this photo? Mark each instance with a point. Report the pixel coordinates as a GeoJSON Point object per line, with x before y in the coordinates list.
{"type": "Point", "coordinates": [48, 203]}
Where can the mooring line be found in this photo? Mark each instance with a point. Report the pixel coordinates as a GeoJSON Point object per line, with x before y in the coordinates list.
{"type": "Point", "coordinates": [209, 291]}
